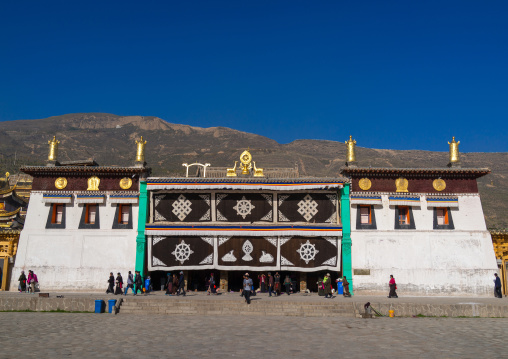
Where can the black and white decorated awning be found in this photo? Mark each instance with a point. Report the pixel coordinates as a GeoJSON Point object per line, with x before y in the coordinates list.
{"type": "Point", "coordinates": [307, 207]}
{"type": "Point", "coordinates": [297, 253]}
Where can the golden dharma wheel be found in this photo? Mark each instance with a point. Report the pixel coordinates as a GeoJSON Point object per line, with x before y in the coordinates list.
{"type": "Point", "coordinates": [61, 182]}
{"type": "Point", "coordinates": [439, 184]}
{"type": "Point", "coordinates": [125, 183]}
{"type": "Point", "coordinates": [365, 184]}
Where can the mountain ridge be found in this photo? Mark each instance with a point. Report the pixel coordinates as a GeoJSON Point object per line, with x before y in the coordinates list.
{"type": "Point", "coordinates": [109, 139]}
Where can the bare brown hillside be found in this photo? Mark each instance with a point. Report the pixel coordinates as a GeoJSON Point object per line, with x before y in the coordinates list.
{"type": "Point", "coordinates": [109, 139]}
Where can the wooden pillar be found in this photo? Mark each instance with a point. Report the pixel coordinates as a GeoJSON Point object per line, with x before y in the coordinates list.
{"type": "Point", "coordinates": [224, 281]}
{"type": "Point", "coordinates": [303, 282]}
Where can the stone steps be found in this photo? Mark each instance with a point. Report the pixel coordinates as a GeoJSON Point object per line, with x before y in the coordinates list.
{"type": "Point", "coordinates": [236, 307]}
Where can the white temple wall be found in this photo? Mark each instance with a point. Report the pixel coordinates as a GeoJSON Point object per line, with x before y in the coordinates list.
{"type": "Point", "coordinates": [71, 258]}
{"type": "Point", "coordinates": [425, 261]}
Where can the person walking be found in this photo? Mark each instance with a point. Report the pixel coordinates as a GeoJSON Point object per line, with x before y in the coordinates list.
{"type": "Point", "coordinates": [22, 282]}
{"type": "Point", "coordinates": [111, 284]}
{"type": "Point", "coordinates": [211, 285]}
{"type": "Point", "coordinates": [138, 283]}
{"type": "Point", "coordinates": [169, 288]}
{"type": "Point", "coordinates": [393, 287]}
{"type": "Point", "coordinates": [247, 287]}
{"type": "Point", "coordinates": [345, 284]}
{"type": "Point", "coordinates": [119, 284]}
{"type": "Point", "coordinates": [130, 283]}
{"type": "Point", "coordinates": [327, 286]}
{"type": "Point", "coordinates": [287, 284]}
{"type": "Point", "coordinates": [181, 284]}
{"type": "Point", "coordinates": [277, 283]}
{"type": "Point", "coordinates": [270, 284]}
{"type": "Point", "coordinates": [497, 286]}
{"type": "Point", "coordinates": [175, 284]}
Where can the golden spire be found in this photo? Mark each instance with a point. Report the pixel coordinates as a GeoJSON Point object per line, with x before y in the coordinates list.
{"type": "Point", "coordinates": [351, 155]}
{"type": "Point", "coordinates": [140, 152]}
{"type": "Point", "coordinates": [53, 149]}
{"type": "Point", "coordinates": [454, 151]}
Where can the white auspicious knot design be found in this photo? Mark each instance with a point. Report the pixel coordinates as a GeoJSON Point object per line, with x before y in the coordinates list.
{"type": "Point", "coordinates": [182, 252]}
{"type": "Point", "coordinates": [307, 207]}
{"type": "Point", "coordinates": [181, 207]}
{"type": "Point", "coordinates": [247, 248]}
{"type": "Point", "coordinates": [307, 251]}
{"type": "Point", "coordinates": [244, 207]}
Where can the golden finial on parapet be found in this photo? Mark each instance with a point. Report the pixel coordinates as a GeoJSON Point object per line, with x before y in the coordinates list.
{"type": "Point", "coordinates": [454, 151]}
{"type": "Point", "coordinates": [140, 151]}
{"type": "Point", "coordinates": [351, 148]}
{"type": "Point", "coordinates": [53, 149]}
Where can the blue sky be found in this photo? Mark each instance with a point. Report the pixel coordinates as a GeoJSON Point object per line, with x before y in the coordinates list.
{"type": "Point", "coordinates": [394, 74]}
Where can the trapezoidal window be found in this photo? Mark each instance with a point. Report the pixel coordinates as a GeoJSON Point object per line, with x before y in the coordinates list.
{"type": "Point", "coordinates": [404, 215]}
{"type": "Point", "coordinates": [91, 213]}
{"type": "Point", "coordinates": [443, 218]}
{"type": "Point", "coordinates": [56, 216]}
{"type": "Point", "coordinates": [124, 213]}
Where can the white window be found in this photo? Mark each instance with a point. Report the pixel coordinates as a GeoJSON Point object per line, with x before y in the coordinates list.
{"type": "Point", "coordinates": [365, 215]}
{"type": "Point", "coordinates": [124, 213]}
{"type": "Point", "coordinates": [91, 213]}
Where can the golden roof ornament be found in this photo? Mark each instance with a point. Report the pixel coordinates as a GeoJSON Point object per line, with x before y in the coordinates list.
{"type": "Point", "coordinates": [53, 149]}
{"type": "Point", "coordinates": [401, 184]}
{"type": "Point", "coordinates": [454, 151]}
{"type": "Point", "coordinates": [246, 165]}
{"type": "Point", "coordinates": [140, 150]}
{"type": "Point", "coordinates": [351, 145]}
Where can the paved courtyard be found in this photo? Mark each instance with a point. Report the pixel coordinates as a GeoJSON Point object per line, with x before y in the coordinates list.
{"type": "Point", "coordinates": [64, 335]}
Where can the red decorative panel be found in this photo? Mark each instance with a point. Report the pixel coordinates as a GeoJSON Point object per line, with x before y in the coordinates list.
{"type": "Point", "coordinates": [109, 182]}
{"type": "Point", "coordinates": [417, 184]}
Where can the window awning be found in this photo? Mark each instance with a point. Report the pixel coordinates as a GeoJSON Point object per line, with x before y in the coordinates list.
{"type": "Point", "coordinates": [131, 198]}
{"type": "Point", "coordinates": [404, 201]}
{"type": "Point", "coordinates": [89, 198]}
{"type": "Point", "coordinates": [372, 200]}
{"type": "Point", "coordinates": [56, 198]}
{"type": "Point", "coordinates": [443, 202]}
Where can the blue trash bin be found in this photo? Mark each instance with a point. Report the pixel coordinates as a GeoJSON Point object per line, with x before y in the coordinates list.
{"type": "Point", "coordinates": [340, 288]}
{"type": "Point", "coordinates": [111, 304]}
{"type": "Point", "coordinates": [99, 306]}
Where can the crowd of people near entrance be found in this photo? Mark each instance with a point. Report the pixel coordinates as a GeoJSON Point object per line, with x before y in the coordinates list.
{"type": "Point", "coordinates": [175, 285]}
{"type": "Point", "coordinates": [28, 284]}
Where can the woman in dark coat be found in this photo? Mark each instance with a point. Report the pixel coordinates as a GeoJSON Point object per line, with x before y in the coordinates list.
{"type": "Point", "coordinates": [169, 290]}
{"type": "Point", "coordinates": [175, 284]}
{"type": "Point", "coordinates": [111, 284]}
{"type": "Point", "coordinates": [393, 287]}
{"type": "Point", "coordinates": [22, 282]}
{"type": "Point", "coordinates": [345, 283]}
{"type": "Point", "coordinates": [119, 284]}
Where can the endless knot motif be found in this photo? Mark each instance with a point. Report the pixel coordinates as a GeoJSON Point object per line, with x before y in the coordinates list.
{"type": "Point", "coordinates": [182, 252]}
{"type": "Point", "coordinates": [181, 207]}
{"type": "Point", "coordinates": [244, 207]}
{"type": "Point", "coordinates": [307, 207]}
{"type": "Point", "coordinates": [307, 252]}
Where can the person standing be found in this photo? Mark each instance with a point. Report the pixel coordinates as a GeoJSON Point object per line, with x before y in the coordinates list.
{"type": "Point", "coordinates": [130, 283]}
{"type": "Point", "coordinates": [270, 284]}
{"type": "Point", "coordinates": [497, 286]}
{"type": "Point", "coordinates": [247, 287]}
{"type": "Point", "coordinates": [138, 283]}
{"type": "Point", "coordinates": [181, 284]}
{"type": "Point", "coordinates": [327, 286]}
{"type": "Point", "coordinates": [111, 284]}
{"type": "Point", "coordinates": [22, 282]}
{"type": "Point", "coordinates": [345, 284]}
{"type": "Point", "coordinates": [169, 289]}
{"type": "Point", "coordinates": [119, 284]}
{"type": "Point", "coordinates": [262, 282]}
{"type": "Point", "coordinates": [287, 284]}
{"type": "Point", "coordinates": [393, 287]}
{"type": "Point", "coordinates": [34, 282]}
{"type": "Point", "coordinates": [277, 283]}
